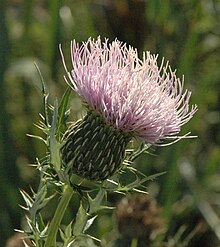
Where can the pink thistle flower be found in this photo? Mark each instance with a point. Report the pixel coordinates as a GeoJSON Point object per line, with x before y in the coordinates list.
{"type": "Point", "coordinates": [133, 95]}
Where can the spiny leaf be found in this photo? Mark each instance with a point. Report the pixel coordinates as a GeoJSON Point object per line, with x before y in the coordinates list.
{"type": "Point", "coordinates": [54, 145]}
{"type": "Point", "coordinates": [66, 235]}
{"type": "Point", "coordinates": [80, 223]}
{"type": "Point", "coordinates": [40, 222]}
{"type": "Point", "coordinates": [107, 207]}
{"type": "Point", "coordinates": [94, 204]}
{"type": "Point", "coordinates": [85, 240]}
{"type": "Point", "coordinates": [45, 201]}
{"type": "Point", "coordinates": [140, 179]}
{"type": "Point", "coordinates": [43, 233]}
{"type": "Point", "coordinates": [68, 230]}
{"type": "Point", "coordinates": [89, 223]}
{"type": "Point", "coordinates": [93, 238]}
{"type": "Point", "coordinates": [28, 200]}
{"type": "Point", "coordinates": [62, 110]}
{"type": "Point", "coordinates": [53, 128]}
{"type": "Point", "coordinates": [153, 177]}
{"type": "Point", "coordinates": [40, 125]}
{"type": "Point", "coordinates": [142, 148]}
{"type": "Point", "coordinates": [45, 95]}
{"type": "Point", "coordinates": [62, 235]}
{"type": "Point", "coordinates": [38, 137]}
{"type": "Point", "coordinates": [140, 191]}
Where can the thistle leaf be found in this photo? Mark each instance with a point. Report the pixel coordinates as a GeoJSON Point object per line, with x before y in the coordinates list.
{"type": "Point", "coordinates": [68, 230]}
{"type": "Point", "coordinates": [66, 235]}
{"type": "Point", "coordinates": [28, 200]}
{"type": "Point", "coordinates": [62, 110]}
{"type": "Point", "coordinates": [89, 223]}
{"type": "Point", "coordinates": [54, 145]}
{"type": "Point", "coordinates": [81, 220]}
{"type": "Point", "coordinates": [37, 137]}
{"type": "Point", "coordinates": [45, 95]}
{"type": "Point", "coordinates": [40, 223]}
{"type": "Point", "coordinates": [142, 148]}
{"type": "Point", "coordinates": [62, 235]}
{"type": "Point", "coordinates": [43, 233]}
{"type": "Point", "coordinates": [94, 204]}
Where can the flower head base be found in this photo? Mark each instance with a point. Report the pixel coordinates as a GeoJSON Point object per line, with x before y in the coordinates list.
{"type": "Point", "coordinates": [94, 150]}
{"type": "Point", "coordinates": [126, 97]}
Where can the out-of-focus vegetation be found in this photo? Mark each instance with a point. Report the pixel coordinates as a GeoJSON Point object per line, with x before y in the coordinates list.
{"type": "Point", "coordinates": [185, 32]}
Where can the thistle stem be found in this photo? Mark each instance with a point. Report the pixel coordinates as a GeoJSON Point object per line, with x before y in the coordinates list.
{"type": "Point", "coordinates": [54, 225]}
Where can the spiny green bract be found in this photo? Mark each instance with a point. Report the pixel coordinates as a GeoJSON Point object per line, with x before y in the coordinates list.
{"type": "Point", "coordinates": [94, 150]}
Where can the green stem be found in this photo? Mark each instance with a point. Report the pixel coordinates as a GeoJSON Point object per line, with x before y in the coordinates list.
{"type": "Point", "coordinates": [54, 225]}
{"type": "Point", "coordinates": [134, 242]}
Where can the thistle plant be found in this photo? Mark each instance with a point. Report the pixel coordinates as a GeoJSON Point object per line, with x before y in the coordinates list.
{"type": "Point", "coordinates": [125, 98]}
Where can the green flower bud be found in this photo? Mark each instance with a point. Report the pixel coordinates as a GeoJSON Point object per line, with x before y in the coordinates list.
{"type": "Point", "coordinates": [93, 149]}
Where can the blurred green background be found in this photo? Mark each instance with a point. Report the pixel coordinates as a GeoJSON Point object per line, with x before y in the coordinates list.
{"type": "Point", "coordinates": [185, 32]}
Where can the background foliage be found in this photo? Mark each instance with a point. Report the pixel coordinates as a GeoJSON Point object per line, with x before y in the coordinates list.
{"type": "Point", "coordinates": [185, 32]}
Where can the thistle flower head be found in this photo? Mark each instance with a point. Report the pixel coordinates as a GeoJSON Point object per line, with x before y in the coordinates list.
{"type": "Point", "coordinates": [133, 95]}
{"type": "Point", "coordinates": [126, 97]}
